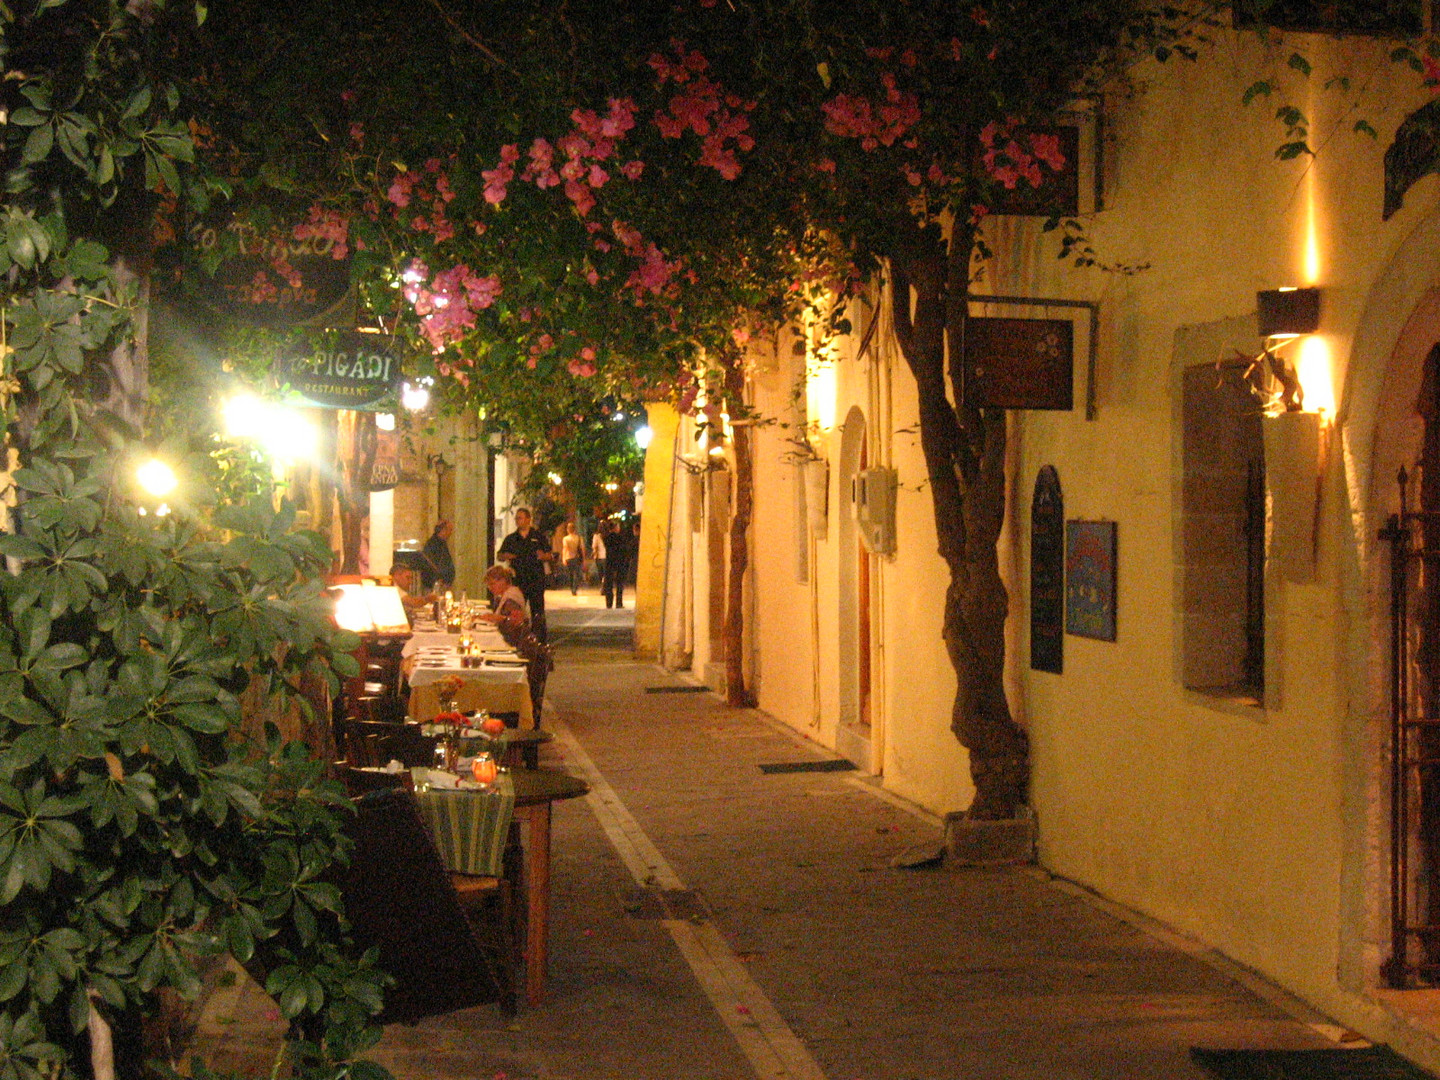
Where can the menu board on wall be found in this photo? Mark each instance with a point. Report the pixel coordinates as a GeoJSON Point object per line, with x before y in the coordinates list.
{"type": "Point", "coordinates": [1047, 573]}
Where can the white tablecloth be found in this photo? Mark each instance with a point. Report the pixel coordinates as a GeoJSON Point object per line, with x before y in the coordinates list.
{"type": "Point", "coordinates": [501, 687]}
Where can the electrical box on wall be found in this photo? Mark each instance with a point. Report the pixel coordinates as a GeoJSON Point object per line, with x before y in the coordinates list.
{"type": "Point", "coordinates": [873, 495]}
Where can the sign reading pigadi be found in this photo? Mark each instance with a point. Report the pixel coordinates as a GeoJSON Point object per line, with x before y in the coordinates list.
{"type": "Point", "coordinates": [345, 369]}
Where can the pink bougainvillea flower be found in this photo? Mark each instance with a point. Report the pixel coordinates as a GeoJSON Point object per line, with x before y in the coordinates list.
{"type": "Point", "coordinates": [1046, 147]}
{"type": "Point", "coordinates": [631, 170]}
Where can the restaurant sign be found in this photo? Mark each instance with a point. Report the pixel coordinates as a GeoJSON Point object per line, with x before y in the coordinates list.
{"type": "Point", "coordinates": [345, 369]}
{"type": "Point", "coordinates": [267, 277]}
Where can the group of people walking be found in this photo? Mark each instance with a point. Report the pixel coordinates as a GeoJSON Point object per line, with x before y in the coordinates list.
{"type": "Point", "coordinates": [529, 555]}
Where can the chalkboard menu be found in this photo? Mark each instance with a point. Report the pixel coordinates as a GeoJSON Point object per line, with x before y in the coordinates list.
{"type": "Point", "coordinates": [1047, 573]}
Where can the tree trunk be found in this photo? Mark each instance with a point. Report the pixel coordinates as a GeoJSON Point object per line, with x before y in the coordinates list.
{"type": "Point", "coordinates": [736, 692]}
{"type": "Point", "coordinates": [964, 450]}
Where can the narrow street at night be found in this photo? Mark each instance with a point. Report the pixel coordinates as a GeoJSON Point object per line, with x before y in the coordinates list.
{"type": "Point", "coordinates": [714, 921]}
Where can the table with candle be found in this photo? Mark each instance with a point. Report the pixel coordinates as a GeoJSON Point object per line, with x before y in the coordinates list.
{"type": "Point", "coordinates": [492, 675]}
{"type": "Point", "coordinates": [465, 821]}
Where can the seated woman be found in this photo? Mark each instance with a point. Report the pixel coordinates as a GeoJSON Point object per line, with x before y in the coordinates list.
{"type": "Point", "coordinates": [511, 615]}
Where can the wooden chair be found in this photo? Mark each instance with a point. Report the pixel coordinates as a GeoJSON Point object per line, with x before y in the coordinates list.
{"type": "Point", "coordinates": [398, 897]}
{"type": "Point", "coordinates": [376, 743]}
{"type": "Point", "coordinates": [360, 781]}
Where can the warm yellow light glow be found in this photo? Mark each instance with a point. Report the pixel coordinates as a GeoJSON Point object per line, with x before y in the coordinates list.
{"type": "Point", "coordinates": [156, 478]}
{"type": "Point", "coordinates": [385, 421]}
{"type": "Point", "coordinates": [414, 396]}
{"type": "Point", "coordinates": [820, 388]}
{"type": "Point", "coordinates": [290, 437]}
{"type": "Point", "coordinates": [244, 415]}
{"type": "Point", "coordinates": [1312, 367]}
{"type": "Point", "coordinates": [556, 479]}
{"type": "Point", "coordinates": [643, 437]}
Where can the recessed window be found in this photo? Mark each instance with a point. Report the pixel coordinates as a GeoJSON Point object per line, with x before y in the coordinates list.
{"type": "Point", "coordinates": [1223, 536]}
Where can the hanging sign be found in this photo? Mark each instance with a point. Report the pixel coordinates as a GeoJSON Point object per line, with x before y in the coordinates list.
{"type": "Point", "coordinates": [385, 470]}
{"type": "Point", "coordinates": [1047, 574]}
{"type": "Point", "coordinates": [267, 277]}
{"type": "Point", "coordinates": [345, 369]}
{"type": "Point", "coordinates": [1019, 363]}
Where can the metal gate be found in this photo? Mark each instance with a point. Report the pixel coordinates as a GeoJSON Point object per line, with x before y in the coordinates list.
{"type": "Point", "coordinates": [1414, 539]}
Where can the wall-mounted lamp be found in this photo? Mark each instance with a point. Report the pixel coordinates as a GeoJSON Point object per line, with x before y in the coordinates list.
{"type": "Point", "coordinates": [1287, 313]}
{"type": "Point", "coordinates": [1295, 440]}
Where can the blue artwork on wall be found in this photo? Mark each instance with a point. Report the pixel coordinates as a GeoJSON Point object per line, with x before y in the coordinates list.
{"type": "Point", "coordinates": [1090, 579]}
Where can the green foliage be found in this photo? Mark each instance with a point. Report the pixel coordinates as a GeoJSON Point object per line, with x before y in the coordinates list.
{"type": "Point", "coordinates": [143, 824]}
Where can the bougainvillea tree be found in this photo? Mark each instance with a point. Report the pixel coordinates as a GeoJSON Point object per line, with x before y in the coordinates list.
{"type": "Point", "coordinates": [615, 196]}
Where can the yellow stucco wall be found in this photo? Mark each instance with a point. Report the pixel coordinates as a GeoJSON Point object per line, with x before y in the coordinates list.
{"type": "Point", "coordinates": [663, 422]}
{"type": "Point", "coordinates": [1256, 829]}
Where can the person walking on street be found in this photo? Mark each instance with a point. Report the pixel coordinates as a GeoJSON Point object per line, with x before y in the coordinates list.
{"type": "Point", "coordinates": [526, 551]}
{"type": "Point", "coordinates": [621, 547]}
{"type": "Point", "coordinates": [572, 555]}
{"type": "Point", "coordinates": [597, 552]}
{"type": "Point", "coordinates": [437, 567]}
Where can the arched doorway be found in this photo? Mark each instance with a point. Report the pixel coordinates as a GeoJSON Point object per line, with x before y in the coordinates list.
{"type": "Point", "coordinates": [854, 738]}
{"type": "Point", "coordinates": [1383, 430]}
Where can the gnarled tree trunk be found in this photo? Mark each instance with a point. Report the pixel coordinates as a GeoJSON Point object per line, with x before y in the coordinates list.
{"type": "Point", "coordinates": [964, 450]}
{"type": "Point", "coordinates": [736, 692]}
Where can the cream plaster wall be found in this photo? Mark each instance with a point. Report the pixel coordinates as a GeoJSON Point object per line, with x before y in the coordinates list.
{"type": "Point", "coordinates": [1237, 824]}
{"type": "Point", "coordinates": [1257, 829]}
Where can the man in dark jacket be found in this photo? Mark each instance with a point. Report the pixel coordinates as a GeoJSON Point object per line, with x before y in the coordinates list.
{"type": "Point", "coordinates": [437, 567]}
{"type": "Point", "coordinates": [526, 551]}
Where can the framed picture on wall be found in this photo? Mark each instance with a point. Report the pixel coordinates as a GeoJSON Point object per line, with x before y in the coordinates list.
{"type": "Point", "coordinates": [1090, 579]}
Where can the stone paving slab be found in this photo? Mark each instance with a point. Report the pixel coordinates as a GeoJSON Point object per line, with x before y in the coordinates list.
{"type": "Point", "coordinates": [877, 973]}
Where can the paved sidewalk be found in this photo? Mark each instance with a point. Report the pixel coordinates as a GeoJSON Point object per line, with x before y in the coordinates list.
{"type": "Point", "coordinates": [713, 922]}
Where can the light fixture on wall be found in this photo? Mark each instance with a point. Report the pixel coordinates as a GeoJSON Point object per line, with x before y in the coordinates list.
{"type": "Point", "coordinates": [1296, 436]}
{"type": "Point", "coordinates": [1287, 312]}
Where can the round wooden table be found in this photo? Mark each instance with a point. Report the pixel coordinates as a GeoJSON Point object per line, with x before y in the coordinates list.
{"type": "Point", "coordinates": [535, 791]}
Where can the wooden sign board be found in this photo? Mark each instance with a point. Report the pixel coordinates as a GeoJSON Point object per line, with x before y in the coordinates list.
{"type": "Point", "coordinates": [1019, 363]}
{"type": "Point", "coordinates": [1047, 574]}
{"type": "Point", "coordinates": [262, 281]}
{"type": "Point", "coordinates": [345, 369]}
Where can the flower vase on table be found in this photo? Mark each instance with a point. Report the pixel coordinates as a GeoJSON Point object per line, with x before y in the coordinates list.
{"type": "Point", "coordinates": [447, 690]}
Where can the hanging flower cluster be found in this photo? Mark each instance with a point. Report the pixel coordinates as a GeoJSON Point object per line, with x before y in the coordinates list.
{"type": "Point", "coordinates": [1009, 160]}
{"type": "Point", "coordinates": [420, 198]}
{"type": "Point", "coordinates": [700, 105]}
{"type": "Point", "coordinates": [875, 124]}
{"type": "Point", "coordinates": [329, 228]}
{"type": "Point", "coordinates": [448, 303]}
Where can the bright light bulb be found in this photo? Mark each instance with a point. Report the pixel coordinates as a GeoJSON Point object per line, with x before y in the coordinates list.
{"type": "Point", "coordinates": [156, 478]}
{"type": "Point", "coordinates": [385, 421]}
{"type": "Point", "coordinates": [643, 435]}
{"type": "Point", "coordinates": [556, 479]}
{"type": "Point", "coordinates": [414, 397]}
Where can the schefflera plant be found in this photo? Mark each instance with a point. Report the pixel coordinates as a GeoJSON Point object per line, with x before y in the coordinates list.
{"type": "Point", "coordinates": [144, 824]}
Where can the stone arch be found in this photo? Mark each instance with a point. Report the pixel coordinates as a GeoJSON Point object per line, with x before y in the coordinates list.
{"type": "Point", "coordinates": [1379, 430]}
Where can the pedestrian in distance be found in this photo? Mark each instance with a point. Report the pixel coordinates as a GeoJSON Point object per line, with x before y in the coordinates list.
{"type": "Point", "coordinates": [437, 566]}
{"type": "Point", "coordinates": [572, 556]}
{"type": "Point", "coordinates": [597, 552]}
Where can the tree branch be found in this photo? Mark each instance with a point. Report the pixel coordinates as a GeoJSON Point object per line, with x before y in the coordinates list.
{"type": "Point", "coordinates": [470, 39]}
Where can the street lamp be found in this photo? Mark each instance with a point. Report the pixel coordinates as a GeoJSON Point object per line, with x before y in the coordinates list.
{"type": "Point", "coordinates": [643, 435]}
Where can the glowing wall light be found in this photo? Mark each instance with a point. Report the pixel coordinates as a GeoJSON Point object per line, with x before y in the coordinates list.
{"type": "Point", "coordinates": [821, 386]}
{"type": "Point", "coordinates": [1313, 369]}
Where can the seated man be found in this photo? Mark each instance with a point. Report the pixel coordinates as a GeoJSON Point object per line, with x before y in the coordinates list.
{"type": "Point", "coordinates": [404, 579]}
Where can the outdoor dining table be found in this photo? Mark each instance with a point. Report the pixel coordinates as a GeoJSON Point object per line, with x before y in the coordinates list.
{"type": "Point", "coordinates": [498, 684]}
{"type": "Point", "coordinates": [467, 824]}
{"type": "Point", "coordinates": [536, 790]}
